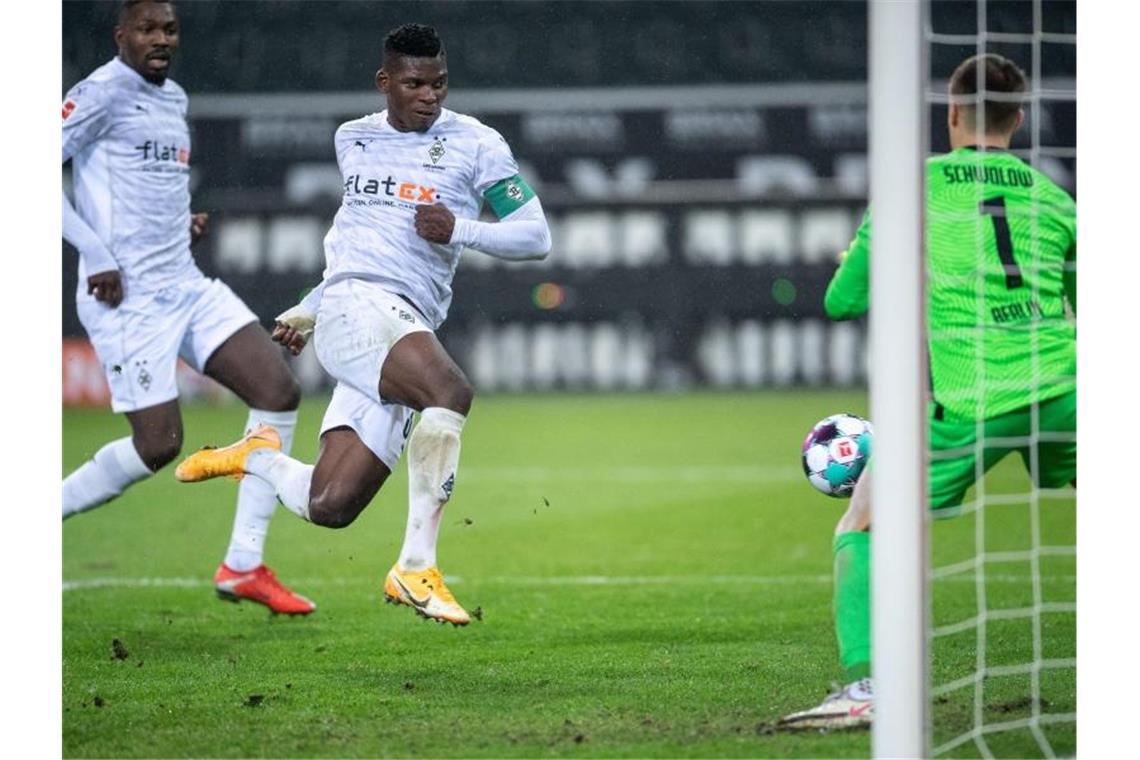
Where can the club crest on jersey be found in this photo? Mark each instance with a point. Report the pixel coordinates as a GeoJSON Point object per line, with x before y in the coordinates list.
{"type": "Point", "coordinates": [436, 151]}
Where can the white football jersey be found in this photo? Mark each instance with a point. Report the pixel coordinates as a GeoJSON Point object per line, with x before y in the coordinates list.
{"type": "Point", "coordinates": [386, 173]}
{"type": "Point", "coordinates": [129, 144]}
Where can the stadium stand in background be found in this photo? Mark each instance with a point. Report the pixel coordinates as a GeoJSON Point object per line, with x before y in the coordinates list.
{"type": "Point", "coordinates": [697, 199]}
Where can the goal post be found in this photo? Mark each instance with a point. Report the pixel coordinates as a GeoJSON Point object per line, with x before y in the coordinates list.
{"type": "Point", "coordinates": [899, 617]}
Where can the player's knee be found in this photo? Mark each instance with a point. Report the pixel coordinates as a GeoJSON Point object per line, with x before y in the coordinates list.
{"type": "Point", "coordinates": [334, 507]}
{"type": "Point", "coordinates": [457, 396]}
{"type": "Point", "coordinates": [160, 449]}
{"type": "Point", "coordinates": [290, 396]}
{"type": "Point", "coordinates": [284, 395]}
{"type": "Point", "coordinates": [852, 522]}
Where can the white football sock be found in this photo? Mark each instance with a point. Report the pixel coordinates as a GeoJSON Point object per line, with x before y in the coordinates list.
{"type": "Point", "coordinates": [433, 458]}
{"type": "Point", "coordinates": [103, 477]}
{"type": "Point", "coordinates": [287, 477]}
{"type": "Point", "coordinates": [257, 500]}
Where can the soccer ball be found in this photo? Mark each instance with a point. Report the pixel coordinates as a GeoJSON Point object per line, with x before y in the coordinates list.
{"type": "Point", "coordinates": [835, 453]}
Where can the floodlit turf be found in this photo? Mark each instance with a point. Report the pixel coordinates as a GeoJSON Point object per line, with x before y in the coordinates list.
{"type": "Point", "coordinates": [653, 572]}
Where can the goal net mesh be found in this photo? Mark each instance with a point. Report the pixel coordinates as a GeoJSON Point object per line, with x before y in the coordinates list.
{"type": "Point", "coordinates": [1003, 571]}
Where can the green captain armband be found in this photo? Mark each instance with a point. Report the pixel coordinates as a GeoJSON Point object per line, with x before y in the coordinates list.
{"type": "Point", "coordinates": [508, 195]}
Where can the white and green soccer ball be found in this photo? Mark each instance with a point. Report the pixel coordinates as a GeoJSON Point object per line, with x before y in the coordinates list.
{"type": "Point", "coordinates": [835, 453]}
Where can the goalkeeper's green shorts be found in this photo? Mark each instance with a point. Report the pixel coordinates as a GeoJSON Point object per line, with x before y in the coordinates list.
{"type": "Point", "coordinates": [954, 447]}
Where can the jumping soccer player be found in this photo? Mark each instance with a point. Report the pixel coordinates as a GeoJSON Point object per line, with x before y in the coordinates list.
{"type": "Point", "coordinates": [144, 302]}
{"type": "Point", "coordinates": [415, 178]}
{"type": "Point", "coordinates": [1001, 263]}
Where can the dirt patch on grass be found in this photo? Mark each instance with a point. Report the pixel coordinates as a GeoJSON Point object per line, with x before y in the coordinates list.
{"type": "Point", "coordinates": [118, 651]}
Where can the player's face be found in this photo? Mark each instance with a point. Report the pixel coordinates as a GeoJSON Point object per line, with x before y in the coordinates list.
{"type": "Point", "coordinates": [415, 88]}
{"type": "Point", "coordinates": [147, 40]}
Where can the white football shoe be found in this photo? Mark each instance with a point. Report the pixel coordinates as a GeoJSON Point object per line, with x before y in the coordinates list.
{"type": "Point", "coordinates": [853, 706]}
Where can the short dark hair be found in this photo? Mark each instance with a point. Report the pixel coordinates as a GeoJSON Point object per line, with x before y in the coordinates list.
{"type": "Point", "coordinates": [127, 6]}
{"type": "Point", "coordinates": [1001, 75]}
{"type": "Point", "coordinates": [413, 41]}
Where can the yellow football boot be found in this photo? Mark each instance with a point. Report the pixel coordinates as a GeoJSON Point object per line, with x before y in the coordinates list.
{"type": "Point", "coordinates": [229, 461]}
{"type": "Point", "coordinates": [426, 593]}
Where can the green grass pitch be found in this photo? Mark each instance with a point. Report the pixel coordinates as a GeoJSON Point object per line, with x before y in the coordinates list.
{"type": "Point", "coordinates": [653, 572]}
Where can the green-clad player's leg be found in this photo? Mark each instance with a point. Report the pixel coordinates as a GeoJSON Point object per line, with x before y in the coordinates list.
{"type": "Point", "coordinates": [851, 706]}
{"type": "Point", "coordinates": [851, 568]}
{"type": "Point", "coordinates": [852, 602]}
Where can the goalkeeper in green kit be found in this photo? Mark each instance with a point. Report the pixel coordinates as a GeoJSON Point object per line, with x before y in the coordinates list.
{"type": "Point", "coordinates": [1001, 265]}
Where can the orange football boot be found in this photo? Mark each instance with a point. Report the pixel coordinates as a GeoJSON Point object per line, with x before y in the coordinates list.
{"type": "Point", "coordinates": [260, 585]}
{"type": "Point", "coordinates": [228, 461]}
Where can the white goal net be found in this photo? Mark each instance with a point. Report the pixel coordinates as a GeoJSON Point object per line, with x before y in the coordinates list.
{"type": "Point", "coordinates": [1002, 641]}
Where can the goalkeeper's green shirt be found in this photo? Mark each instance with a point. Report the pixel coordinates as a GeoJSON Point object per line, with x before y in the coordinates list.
{"type": "Point", "coordinates": [1001, 242]}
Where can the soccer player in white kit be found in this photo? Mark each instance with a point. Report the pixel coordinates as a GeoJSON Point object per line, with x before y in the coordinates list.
{"type": "Point", "coordinates": [415, 178]}
{"type": "Point", "coordinates": [144, 302]}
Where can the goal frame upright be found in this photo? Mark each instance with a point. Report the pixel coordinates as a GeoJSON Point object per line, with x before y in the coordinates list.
{"type": "Point", "coordinates": [898, 375]}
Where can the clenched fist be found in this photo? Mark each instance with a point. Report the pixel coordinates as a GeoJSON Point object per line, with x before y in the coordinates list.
{"type": "Point", "coordinates": [435, 223]}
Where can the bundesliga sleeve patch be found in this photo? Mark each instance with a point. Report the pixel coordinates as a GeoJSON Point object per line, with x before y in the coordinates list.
{"type": "Point", "coordinates": [68, 107]}
{"type": "Point", "coordinates": [508, 195]}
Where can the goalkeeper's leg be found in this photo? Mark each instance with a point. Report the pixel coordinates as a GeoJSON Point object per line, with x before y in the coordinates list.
{"type": "Point", "coordinates": [853, 705]}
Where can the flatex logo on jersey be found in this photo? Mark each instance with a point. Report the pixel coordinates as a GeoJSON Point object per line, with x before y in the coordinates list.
{"type": "Point", "coordinates": [402, 193]}
{"type": "Point", "coordinates": [163, 158]}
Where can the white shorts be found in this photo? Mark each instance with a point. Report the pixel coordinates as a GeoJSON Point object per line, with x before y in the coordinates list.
{"type": "Point", "coordinates": [139, 341]}
{"type": "Point", "coordinates": [358, 322]}
{"type": "Point", "coordinates": [383, 428]}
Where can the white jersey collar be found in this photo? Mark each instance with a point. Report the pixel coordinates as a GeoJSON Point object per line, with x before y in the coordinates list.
{"type": "Point", "coordinates": [445, 116]}
{"type": "Point", "coordinates": [117, 62]}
